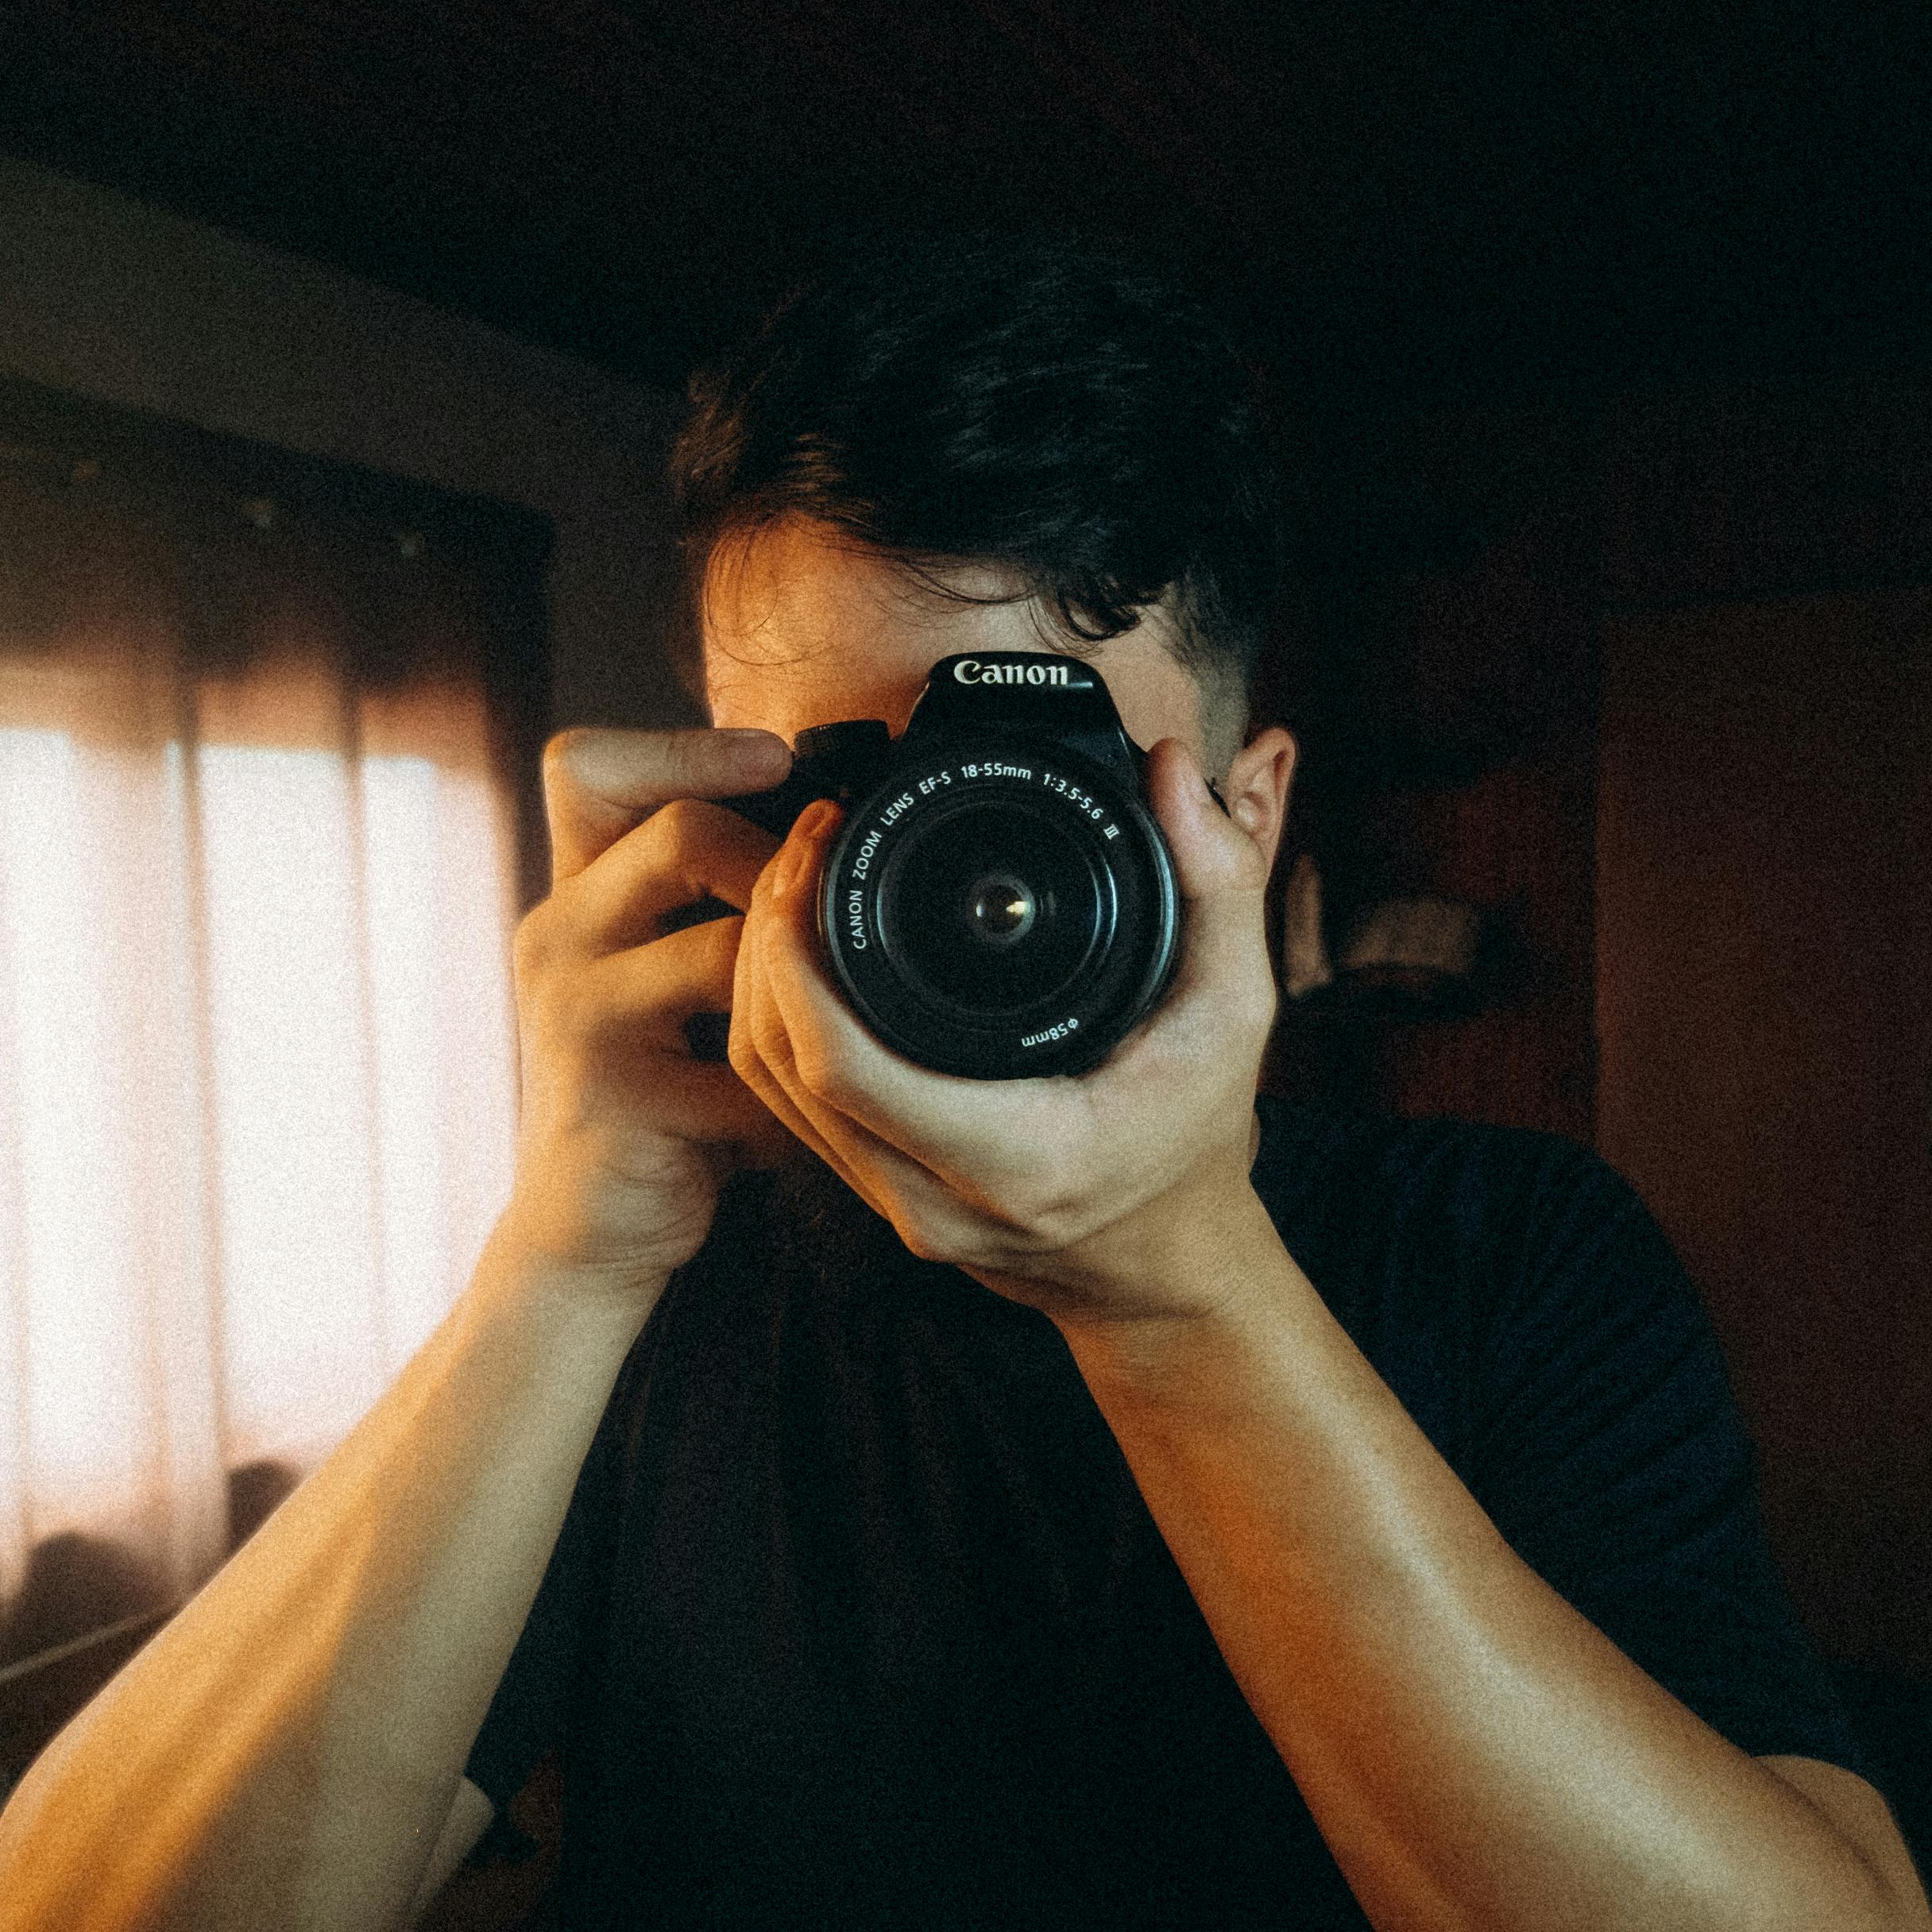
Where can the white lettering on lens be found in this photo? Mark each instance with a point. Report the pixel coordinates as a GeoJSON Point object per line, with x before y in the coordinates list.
{"type": "Point", "coordinates": [863, 863]}
{"type": "Point", "coordinates": [1071, 1024]}
{"type": "Point", "coordinates": [854, 920]}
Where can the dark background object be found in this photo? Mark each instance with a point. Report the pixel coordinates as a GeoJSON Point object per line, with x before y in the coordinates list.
{"type": "Point", "coordinates": [1894, 1718]}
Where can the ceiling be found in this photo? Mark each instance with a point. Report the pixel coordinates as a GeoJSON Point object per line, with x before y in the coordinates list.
{"type": "Point", "coordinates": [1416, 202]}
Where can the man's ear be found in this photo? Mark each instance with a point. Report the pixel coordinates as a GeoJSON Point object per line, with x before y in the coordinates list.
{"type": "Point", "coordinates": [1256, 789]}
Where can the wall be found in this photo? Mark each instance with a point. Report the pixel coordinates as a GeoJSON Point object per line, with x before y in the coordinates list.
{"type": "Point", "coordinates": [1763, 929]}
{"type": "Point", "coordinates": [1764, 924]}
{"type": "Point", "coordinates": [1656, 681]}
{"type": "Point", "coordinates": [1450, 706]}
{"type": "Point", "coordinates": [107, 297]}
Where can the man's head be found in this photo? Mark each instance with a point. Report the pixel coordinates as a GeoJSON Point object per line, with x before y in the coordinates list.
{"type": "Point", "coordinates": [1006, 445]}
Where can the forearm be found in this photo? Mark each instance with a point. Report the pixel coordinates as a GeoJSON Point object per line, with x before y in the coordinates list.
{"type": "Point", "coordinates": [284, 1751]}
{"type": "Point", "coordinates": [1476, 1753]}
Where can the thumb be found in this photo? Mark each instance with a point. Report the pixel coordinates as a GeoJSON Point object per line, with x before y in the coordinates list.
{"type": "Point", "coordinates": [1223, 874]}
{"type": "Point", "coordinates": [1212, 853]}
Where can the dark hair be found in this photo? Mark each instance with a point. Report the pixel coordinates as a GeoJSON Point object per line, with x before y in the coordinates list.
{"type": "Point", "coordinates": [1054, 405]}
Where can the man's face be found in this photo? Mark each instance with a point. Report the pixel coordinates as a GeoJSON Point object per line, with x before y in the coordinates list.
{"type": "Point", "coordinates": [801, 629]}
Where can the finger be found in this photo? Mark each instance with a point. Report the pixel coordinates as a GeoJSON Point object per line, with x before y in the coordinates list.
{"type": "Point", "coordinates": [758, 1051]}
{"type": "Point", "coordinates": [874, 1169]}
{"type": "Point", "coordinates": [598, 784]}
{"type": "Point", "coordinates": [647, 992]}
{"type": "Point", "coordinates": [686, 852]}
{"type": "Point", "coordinates": [1212, 853]}
{"type": "Point", "coordinates": [623, 1016]}
{"type": "Point", "coordinates": [911, 1142]}
{"type": "Point", "coordinates": [1221, 873]}
{"type": "Point", "coordinates": [690, 1100]}
{"type": "Point", "coordinates": [869, 1102]}
{"type": "Point", "coordinates": [772, 1095]}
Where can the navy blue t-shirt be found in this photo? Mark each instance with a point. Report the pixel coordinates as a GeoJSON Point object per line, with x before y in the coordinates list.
{"type": "Point", "coordinates": [857, 1618]}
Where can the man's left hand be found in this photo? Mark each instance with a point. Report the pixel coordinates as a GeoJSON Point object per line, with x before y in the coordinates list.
{"type": "Point", "coordinates": [1069, 1192]}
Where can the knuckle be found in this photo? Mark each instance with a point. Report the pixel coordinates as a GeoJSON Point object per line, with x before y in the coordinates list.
{"type": "Point", "coordinates": [1052, 1221]}
{"type": "Point", "coordinates": [547, 1014]}
{"type": "Point", "coordinates": [558, 751]}
{"type": "Point", "coordinates": [532, 943]}
{"type": "Point", "coordinates": [687, 755]}
{"type": "Point", "coordinates": [820, 1073]}
{"type": "Point", "coordinates": [624, 767]}
{"type": "Point", "coordinates": [1254, 1008]}
{"type": "Point", "coordinates": [1049, 1209]}
{"type": "Point", "coordinates": [767, 1038]}
{"type": "Point", "coordinates": [926, 1236]}
{"type": "Point", "coordinates": [924, 1244]}
{"type": "Point", "coordinates": [577, 1006]}
{"type": "Point", "coordinates": [684, 760]}
{"type": "Point", "coordinates": [1263, 1003]}
{"type": "Point", "coordinates": [677, 832]}
{"type": "Point", "coordinates": [722, 938]}
{"type": "Point", "coordinates": [742, 1054]}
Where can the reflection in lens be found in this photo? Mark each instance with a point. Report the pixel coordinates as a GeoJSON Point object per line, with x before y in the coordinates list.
{"type": "Point", "coordinates": [1001, 910]}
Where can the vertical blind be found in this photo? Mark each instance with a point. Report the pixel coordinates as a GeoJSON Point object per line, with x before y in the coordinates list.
{"type": "Point", "coordinates": [259, 866]}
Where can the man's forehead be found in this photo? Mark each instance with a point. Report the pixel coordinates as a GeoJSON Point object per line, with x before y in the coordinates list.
{"type": "Point", "coordinates": [802, 626]}
{"type": "Point", "coordinates": [795, 587]}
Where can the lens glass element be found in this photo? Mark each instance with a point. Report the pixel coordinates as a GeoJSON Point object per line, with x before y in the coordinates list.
{"type": "Point", "coordinates": [1001, 910]}
{"type": "Point", "coordinates": [992, 909]}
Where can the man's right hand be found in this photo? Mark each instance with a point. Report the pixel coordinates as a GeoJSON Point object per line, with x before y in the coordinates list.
{"type": "Point", "coordinates": [625, 1137]}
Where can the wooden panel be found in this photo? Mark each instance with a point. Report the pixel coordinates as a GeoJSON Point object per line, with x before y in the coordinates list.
{"type": "Point", "coordinates": [1765, 953]}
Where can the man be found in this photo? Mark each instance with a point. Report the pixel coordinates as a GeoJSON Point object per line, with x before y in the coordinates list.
{"type": "Point", "coordinates": [1092, 1500]}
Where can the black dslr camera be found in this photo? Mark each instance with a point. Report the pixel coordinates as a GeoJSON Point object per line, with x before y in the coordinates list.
{"type": "Point", "coordinates": [1000, 902]}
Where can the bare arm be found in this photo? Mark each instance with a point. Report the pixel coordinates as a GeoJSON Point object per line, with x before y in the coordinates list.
{"type": "Point", "coordinates": [1476, 1753]}
{"type": "Point", "coordinates": [288, 1752]}
{"type": "Point", "coordinates": [285, 1752]}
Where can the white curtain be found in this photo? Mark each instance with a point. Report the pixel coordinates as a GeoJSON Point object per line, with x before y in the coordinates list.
{"type": "Point", "coordinates": [256, 1049]}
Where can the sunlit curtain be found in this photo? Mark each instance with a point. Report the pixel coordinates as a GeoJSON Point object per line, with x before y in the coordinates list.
{"type": "Point", "coordinates": [257, 875]}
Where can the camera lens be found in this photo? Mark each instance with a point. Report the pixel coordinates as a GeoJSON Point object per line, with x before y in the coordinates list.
{"type": "Point", "coordinates": [1002, 910]}
{"type": "Point", "coordinates": [999, 906]}
{"type": "Point", "coordinates": [990, 910]}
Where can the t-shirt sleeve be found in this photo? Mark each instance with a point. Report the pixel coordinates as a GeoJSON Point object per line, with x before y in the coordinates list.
{"type": "Point", "coordinates": [529, 1711]}
{"type": "Point", "coordinates": [1608, 1448]}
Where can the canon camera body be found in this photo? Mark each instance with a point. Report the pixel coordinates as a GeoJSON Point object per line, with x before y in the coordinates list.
{"type": "Point", "coordinates": [999, 902]}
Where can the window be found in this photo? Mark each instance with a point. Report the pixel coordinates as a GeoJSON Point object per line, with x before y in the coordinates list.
{"type": "Point", "coordinates": [259, 866]}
